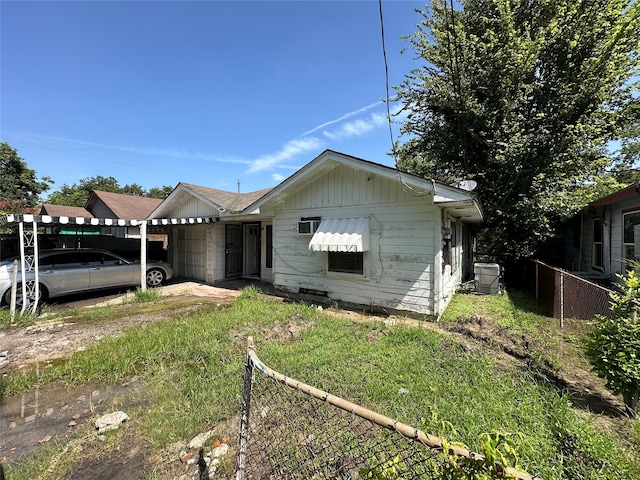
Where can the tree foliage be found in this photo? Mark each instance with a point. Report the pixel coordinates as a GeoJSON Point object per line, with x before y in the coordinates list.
{"type": "Point", "coordinates": [524, 97]}
{"type": "Point", "coordinates": [19, 187]}
{"type": "Point", "coordinates": [614, 345]}
{"type": "Point", "coordinates": [77, 194]}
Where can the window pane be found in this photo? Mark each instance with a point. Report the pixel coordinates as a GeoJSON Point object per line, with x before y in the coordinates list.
{"type": "Point", "coordinates": [597, 231]}
{"type": "Point", "coordinates": [346, 262]}
{"type": "Point", "coordinates": [630, 220]}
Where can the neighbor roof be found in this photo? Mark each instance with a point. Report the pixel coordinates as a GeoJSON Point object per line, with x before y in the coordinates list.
{"type": "Point", "coordinates": [124, 206]}
{"type": "Point", "coordinates": [617, 196]}
{"type": "Point", "coordinates": [65, 211]}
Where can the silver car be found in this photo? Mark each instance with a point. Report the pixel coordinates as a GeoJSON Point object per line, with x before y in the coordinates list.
{"type": "Point", "coordinates": [67, 271]}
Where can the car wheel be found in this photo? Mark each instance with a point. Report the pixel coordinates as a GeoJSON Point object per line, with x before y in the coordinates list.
{"type": "Point", "coordinates": [155, 277]}
{"type": "Point", "coordinates": [6, 299]}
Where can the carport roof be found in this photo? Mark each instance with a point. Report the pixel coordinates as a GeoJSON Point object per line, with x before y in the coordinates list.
{"type": "Point", "coordinates": [14, 219]}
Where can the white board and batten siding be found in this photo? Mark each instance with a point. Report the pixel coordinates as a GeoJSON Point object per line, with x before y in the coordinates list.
{"type": "Point", "coordinates": [401, 269]}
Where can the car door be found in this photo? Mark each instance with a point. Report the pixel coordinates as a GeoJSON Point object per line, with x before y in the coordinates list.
{"type": "Point", "coordinates": [63, 273]}
{"type": "Point", "coordinates": [108, 271]}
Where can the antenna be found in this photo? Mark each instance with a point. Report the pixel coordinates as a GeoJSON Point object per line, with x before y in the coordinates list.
{"type": "Point", "coordinates": [238, 185]}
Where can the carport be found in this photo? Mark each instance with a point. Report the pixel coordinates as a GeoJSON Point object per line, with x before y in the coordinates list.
{"type": "Point", "coordinates": [27, 226]}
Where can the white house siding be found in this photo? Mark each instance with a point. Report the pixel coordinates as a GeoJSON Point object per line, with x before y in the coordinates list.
{"type": "Point", "coordinates": [194, 207]}
{"type": "Point", "coordinates": [400, 268]}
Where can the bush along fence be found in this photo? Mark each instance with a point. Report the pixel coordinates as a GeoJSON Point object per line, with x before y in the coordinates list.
{"type": "Point", "coordinates": [290, 430]}
{"type": "Point", "coordinates": [565, 295]}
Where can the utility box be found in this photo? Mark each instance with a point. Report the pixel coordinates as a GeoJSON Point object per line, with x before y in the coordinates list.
{"type": "Point", "coordinates": [487, 278]}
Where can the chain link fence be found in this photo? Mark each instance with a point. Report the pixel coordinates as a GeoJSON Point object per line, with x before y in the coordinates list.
{"type": "Point", "coordinates": [566, 296]}
{"type": "Point", "coordinates": [290, 430]}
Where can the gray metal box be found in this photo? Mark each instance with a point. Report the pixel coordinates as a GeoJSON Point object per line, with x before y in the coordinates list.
{"type": "Point", "coordinates": [487, 278]}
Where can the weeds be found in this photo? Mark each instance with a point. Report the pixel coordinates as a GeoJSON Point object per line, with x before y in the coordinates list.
{"type": "Point", "coordinates": [148, 295]}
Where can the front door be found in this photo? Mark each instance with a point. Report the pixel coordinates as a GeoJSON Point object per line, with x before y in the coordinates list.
{"type": "Point", "coordinates": [233, 251]}
{"type": "Point", "coordinates": [252, 249]}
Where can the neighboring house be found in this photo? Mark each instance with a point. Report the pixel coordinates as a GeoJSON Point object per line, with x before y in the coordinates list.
{"type": "Point", "coordinates": [341, 229]}
{"type": "Point", "coordinates": [126, 207]}
{"type": "Point", "coordinates": [610, 234]}
{"type": "Point", "coordinates": [112, 206]}
{"type": "Point", "coordinates": [64, 211]}
{"type": "Point", "coordinates": [113, 231]}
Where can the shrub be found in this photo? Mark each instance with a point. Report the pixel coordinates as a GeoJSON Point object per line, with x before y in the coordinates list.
{"type": "Point", "coordinates": [613, 347]}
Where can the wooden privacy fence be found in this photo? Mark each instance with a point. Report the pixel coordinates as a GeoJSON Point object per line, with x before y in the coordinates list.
{"type": "Point", "coordinates": [290, 430]}
{"type": "Point", "coordinates": [565, 295]}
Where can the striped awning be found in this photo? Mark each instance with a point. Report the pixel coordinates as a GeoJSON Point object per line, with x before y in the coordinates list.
{"type": "Point", "coordinates": [341, 235]}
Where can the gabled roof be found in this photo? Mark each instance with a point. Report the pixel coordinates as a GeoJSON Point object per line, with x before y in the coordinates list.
{"type": "Point", "coordinates": [630, 191]}
{"type": "Point", "coordinates": [221, 200]}
{"type": "Point", "coordinates": [463, 203]}
{"type": "Point", "coordinates": [124, 206]}
{"type": "Point", "coordinates": [65, 211]}
{"type": "Point", "coordinates": [230, 201]}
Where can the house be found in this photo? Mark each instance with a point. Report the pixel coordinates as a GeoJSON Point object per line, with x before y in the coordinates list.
{"type": "Point", "coordinates": [110, 205]}
{"type": "Point", "coordinates": [127, 207]}
{"type": "Point", "coordinates": [610, 236]}
{"type": "Point", "coordinates": [340, 229]}
{"type": "Point", "coordinates": [117, 236]}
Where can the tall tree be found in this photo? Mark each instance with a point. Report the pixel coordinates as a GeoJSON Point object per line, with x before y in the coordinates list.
{"type": "Point", "coordinates": [19, 187]}
{"type": "Point", "coordinates": [523, 97]}
{"type": "Point", "coordinates": [159, 192]}
{"type": "Point", "coordinates": [77, 194]}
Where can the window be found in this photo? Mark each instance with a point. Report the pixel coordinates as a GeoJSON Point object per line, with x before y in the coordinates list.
{"type": "Point", "coordinates": [269, 245]}
{"type": "Point", "coordinates": [597, 260]}
{"type": "Point", "coordinates": [629, 222]}
{"type": "Point", "coordinates": [346, 262]}
{"type": "Point", "coordinates": [308, 225]}
{"type": "Point", "coordinates": [454, 245]}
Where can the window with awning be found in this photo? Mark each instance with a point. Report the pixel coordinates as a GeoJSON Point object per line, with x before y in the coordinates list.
{"type": "Point", "coordinates": [341, 235]}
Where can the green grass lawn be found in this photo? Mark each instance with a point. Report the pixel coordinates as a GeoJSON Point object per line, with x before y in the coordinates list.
{"type": "Point", "coordinates": [192, 369]}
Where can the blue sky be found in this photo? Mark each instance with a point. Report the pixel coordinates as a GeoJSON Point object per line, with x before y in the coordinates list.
{"type": "Point", "coordinates": [204, 92]}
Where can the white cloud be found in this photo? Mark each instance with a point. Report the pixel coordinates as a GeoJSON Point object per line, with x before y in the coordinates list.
{"type": "Point", "coordinates": [278, 177]}
{"type": "Point", "coordinates": [357, 128]}
{"type": "Point", "coordinates": [288, 152]}
{"type": "Point", "coordinates": [343, 117]}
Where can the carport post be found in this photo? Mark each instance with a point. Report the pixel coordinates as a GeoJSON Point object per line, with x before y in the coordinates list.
{"type": "Point", "coordinates": [143, 255]}
{"type": "Point", "coordinates": [14, 291]}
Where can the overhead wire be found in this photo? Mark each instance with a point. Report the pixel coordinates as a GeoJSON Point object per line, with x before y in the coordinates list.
{"type": "Point", "coordinates": [408, 188]}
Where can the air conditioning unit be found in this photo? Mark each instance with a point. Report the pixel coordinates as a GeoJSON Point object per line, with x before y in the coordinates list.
{"type": "Point", "coordinates": [487, 278]}
{"type": "Point", "coordinates": [308, 227]}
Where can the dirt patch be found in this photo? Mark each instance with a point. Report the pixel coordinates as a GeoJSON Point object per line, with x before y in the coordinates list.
{"type": "Point", "coordinates": [126, 462]}
{"type": "Point", "coordinates": [47, 341]}
{"type": "Point", "coordinates": [586, 390]}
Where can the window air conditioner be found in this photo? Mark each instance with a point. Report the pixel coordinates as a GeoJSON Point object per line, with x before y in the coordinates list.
{"type": "Point", "coordinates": [308, 227]}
